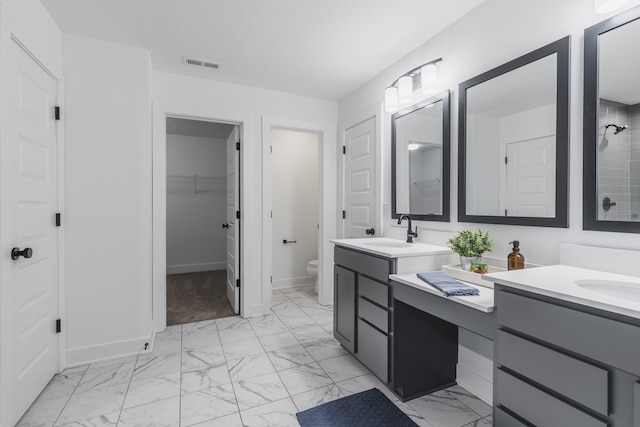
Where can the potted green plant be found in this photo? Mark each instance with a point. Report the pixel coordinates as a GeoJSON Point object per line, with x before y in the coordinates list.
{"type": "Point", "coordinates": [470, 245]}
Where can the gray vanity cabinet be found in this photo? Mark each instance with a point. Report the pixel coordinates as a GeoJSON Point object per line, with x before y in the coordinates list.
{"type": "Point", "coordinates": [557, 363]}
{"type": "Point", "coordinates": [344, 294]}
{"type": "Point", "coordinates": [361, 307]}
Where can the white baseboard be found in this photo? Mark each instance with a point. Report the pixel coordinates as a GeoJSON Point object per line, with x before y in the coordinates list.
{"type": "Point", "coordinates": [113, 350]}
{"type": "Point", "coordinates": [293, 282]}
{"type": "Point", "coordinates": [196, 268]}
{"type": "Point", "coordinates": [475, 383]}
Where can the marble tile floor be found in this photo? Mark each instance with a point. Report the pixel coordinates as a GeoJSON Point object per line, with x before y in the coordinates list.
{"type": "Point", "coordinates": [234, 372]}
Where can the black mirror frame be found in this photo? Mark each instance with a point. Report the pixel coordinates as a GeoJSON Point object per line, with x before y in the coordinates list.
{"type": "Point", "coordinates": [561, 220]}
{"type": "Point", "coordinates": [443, 96]}
{"type": "Point", "coordinates": [590, 126]}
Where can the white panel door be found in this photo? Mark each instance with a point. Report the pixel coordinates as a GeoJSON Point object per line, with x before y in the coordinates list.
{"type": "Point", "coordinates": [531, 178]}
{"type": "Point", "coordinates": [34, 280]}
{"type": "Point", "coordinates": [233, 231]}
{"type": "Point", "coordinates": [360, 188]}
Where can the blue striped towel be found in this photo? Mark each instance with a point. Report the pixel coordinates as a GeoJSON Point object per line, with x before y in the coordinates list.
{"type": "Point", "coordinates": [447, 285]}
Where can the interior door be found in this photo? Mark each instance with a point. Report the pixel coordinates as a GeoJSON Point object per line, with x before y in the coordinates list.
{"type": "Point", "coordinates": [32, 178]}
{"type": "Point", "coordinates": [359, 182]}
{"type": "Point", "coordinates": [531, 178]}
{"type": "Point", "coordinates": [233, 231]}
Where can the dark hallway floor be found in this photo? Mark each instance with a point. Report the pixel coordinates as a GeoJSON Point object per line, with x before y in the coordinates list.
{"type": "Point", "coordinates": [193, 297]}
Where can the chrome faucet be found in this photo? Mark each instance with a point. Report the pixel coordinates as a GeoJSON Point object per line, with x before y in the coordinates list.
{"type": "Point", "coordinates": [410, 233]}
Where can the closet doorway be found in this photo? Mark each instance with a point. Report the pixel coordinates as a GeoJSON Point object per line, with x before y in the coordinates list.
{"type": "Point", "coordinates": [202, 233]}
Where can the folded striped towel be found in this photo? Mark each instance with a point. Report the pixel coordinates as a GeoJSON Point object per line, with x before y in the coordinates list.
{"type": "Point", "coordinates": [447, 285]}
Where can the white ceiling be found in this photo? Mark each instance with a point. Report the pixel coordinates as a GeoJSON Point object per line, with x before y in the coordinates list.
{"type": "Point", "coordinates": [522, 89]}
{"type": "Point", "coordinates": [619, 64]}
{"type": "Point", "coordinates": [318, 48]}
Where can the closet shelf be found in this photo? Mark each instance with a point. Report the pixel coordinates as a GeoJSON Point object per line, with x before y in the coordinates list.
{"type": "Point", "coordinates": [427, 181]}
{"type": "Point", "coordinates": [193, 184]}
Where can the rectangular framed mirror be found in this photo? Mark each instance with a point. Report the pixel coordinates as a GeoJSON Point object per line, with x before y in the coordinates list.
{"type": "Point", "coordinates": [611, 156]}
{"type": "Point", "coordinates": [420, 155]}
{"type": "Point", "coordinates": [513, 138]}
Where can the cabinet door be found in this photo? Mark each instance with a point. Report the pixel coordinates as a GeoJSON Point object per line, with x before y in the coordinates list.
{"type": "Point", "coordinates": [344, 307]}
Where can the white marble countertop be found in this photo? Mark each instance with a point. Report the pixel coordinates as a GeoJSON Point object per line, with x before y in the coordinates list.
{"type": "Point", "coordinates": [559, 281]}
{"type": "Point", "coordinates": [482, 302]}
{"type": "Point", "coordinates": [383, 246]}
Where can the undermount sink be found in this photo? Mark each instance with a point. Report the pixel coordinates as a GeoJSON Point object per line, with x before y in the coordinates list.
{"type": "Point", "coordinates": [387, 244]}
{"type": "Point", "coordinates": [612, 288]}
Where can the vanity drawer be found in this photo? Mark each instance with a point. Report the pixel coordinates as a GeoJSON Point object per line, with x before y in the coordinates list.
{"type": "Point", "coordinates": [501, 418]}
{"type": "Point", "coordinates": [374, 291]}
{"type": "Point", "coordinates": [636, 404]}
{"type": "Point", "coordinates": [373, 314]}
{"type": "Point", "coordinates": [370, 265]}
{"type": "Point", "coordinates": [373, 350]}
{"type": "Point", "coordinates": [580, 381]}
{"type": "Point", "coordinates": [538, 407]}
{"type": "Point", "coordinates": [618, 343]}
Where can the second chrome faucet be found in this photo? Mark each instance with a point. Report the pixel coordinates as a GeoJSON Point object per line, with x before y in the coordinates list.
{"type": "Point", "coordinates": [410, 233]}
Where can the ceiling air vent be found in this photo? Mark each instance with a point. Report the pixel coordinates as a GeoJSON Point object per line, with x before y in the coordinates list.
{"type": "Point", "coordinates": [202, 63]}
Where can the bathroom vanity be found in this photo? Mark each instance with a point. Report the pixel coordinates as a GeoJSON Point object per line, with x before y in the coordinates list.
{"type": "Point", "coordinates": [362, 294]}
{"type": "Point", "coordinates": [568, 342]}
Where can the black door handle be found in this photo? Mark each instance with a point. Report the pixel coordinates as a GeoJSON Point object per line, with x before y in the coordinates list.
{"type": "Point", "coordinates": [225, 225]}
{"type": "Point", "coordinates": [17, 253]}
{"type": "Point", "coordinates": [370, 231]}
{"type": "Point", "coordinates": [607, 203]}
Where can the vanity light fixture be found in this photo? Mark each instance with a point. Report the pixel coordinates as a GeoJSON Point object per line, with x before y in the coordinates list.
{"type": "Point", "coordinates": [606, 6]}
{"type": "Point", "coordinates": [400, 92]}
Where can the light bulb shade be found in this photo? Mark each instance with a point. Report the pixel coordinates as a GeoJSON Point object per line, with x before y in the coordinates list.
{"type": "Point", "coordinates": [606, 6]}
{"type": "Point", "coordinates": [429, 79]}
{"type": "Point", "coordinates": [391, 99]}
{"type": "Point", "coordinates": [405, 89]}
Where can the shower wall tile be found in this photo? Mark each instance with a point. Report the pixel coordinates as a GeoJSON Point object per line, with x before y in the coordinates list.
{"type": "Point", "coordinates": [634, 148]}
{"type": "Point", "coordinates": [614, 161]}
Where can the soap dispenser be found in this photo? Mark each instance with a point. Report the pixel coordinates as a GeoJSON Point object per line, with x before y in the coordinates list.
{"type": "Point", "coordinates": [515, 260]}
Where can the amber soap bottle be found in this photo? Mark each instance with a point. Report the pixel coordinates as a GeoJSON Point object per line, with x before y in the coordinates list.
{"type": "Point", "coordinates": [515, 260]}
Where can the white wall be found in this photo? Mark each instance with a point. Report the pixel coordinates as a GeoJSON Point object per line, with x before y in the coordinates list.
{"type": "Point", "coordinates": [490, 35]}
{"type": "Point", "coordinates": [29, 23]}
{"type": "Point", "coordinates": [196, 211]}
{"type": "Point", "coordinates": [483, 167]}
{"type": "Point", "coordinates": [295, 166]}
{"type": "Point", "coordinates": [250, 107]}
{"type": "Point", "coordinates": [108, 198]}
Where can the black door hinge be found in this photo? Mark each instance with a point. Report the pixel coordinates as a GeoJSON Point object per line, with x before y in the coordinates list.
{"type": "Point", "coordinates": [57, 113]}
{"type": "Point", "coordinates": [237, 283]}
{"type": "Point", "coordinates": [238, 146]}
{"type": "Point", "coordinates": [344, 149]}
{"type": "Point", "coordinates": [58, 326]}
{"type": "Point", "coordinates": [505, 160]}
{"type": "Point", "coordinates": [505, 212]}
{"type": "Point", "coordinates": [237, 214]}
{"type": "Point", "coordinates": [344, 214]}
{"type": "Point", "coordinates": [58, 219]}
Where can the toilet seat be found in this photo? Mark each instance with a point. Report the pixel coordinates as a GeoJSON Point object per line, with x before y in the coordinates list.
{"type": "Point", "coordinates": [312, 269]}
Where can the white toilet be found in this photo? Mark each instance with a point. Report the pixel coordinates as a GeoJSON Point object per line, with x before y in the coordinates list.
{"type": "Point", "coordinates": [312, 270]}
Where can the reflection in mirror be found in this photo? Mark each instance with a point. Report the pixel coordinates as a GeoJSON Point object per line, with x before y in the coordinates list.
{"type": "Point", "coordinates": [612, 124]}
{"type": "Point", "coordinates": [514, 139]}
{"type": "Point", "coordinates": [420, 160]}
